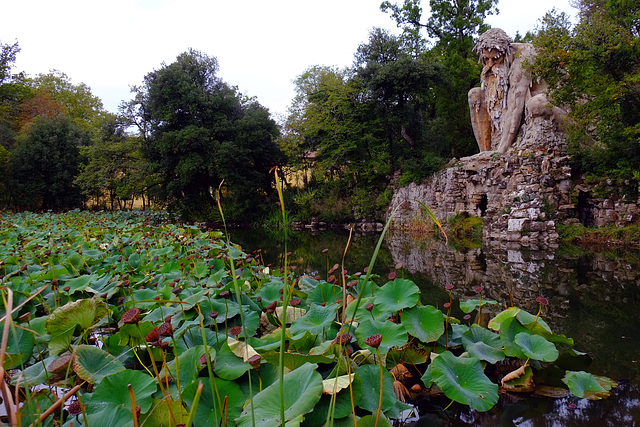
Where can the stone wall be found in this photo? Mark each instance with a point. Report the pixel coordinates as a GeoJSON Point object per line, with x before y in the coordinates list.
{"type": "Point", "coordinates": [521, 195]}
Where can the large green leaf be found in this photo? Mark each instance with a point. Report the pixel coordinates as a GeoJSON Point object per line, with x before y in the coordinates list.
{"type": "Point", "coordinates": [462, 379]}
{"type": "Point", "coordinates": [19, 347]}
{"type": "Point", "coordinates": [342, 404]}
{"type": "Point", "coordinates": [229, 366]}
{"type": "Point", "coordinates": [62, 323]}
{"type": "Point", "coordinates": [425, 322]}
{"type": "Point", "coordinates": [584, 384]}
{"type": "Point", "coordinates": [496, 322]}
{"type": "Point", "coordinates": [189, 364]}
{"type": "Point", "coordinates": [366, 312]}
{"type": "Point", "coordinates": [511, 327]}
{"type": "Point", "coordinates": [370, 382]}
{"type": "Point", "coordinates": [483, 344]}
{"type": "Point", "coordinates": [210, 410]}
{"type": "Point", "coordinates": [111, 396]}
{"type": "Point", "coordinates": [393, 334]}
{"type": "Point", "coordinates": [536, 347]}
{"type": "Point", "coordinates": [303, 388]}
{"type": "Point", "coordinates": [472, 304]}
{"type": "Point", "coordinates": [93, 364]}
{"type": "Point", "coordinates": [325, 292]}
{"type": "Point", "coordinates": [397, 294]}
{"type": "Point", "coordinates": [316, 320]}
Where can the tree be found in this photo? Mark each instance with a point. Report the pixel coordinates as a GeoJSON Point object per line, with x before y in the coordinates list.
{"type": "Point", "coordinates": [44, 164]}
{"type": "Point", "coordinates": [114, 168]}
{"type": "Point", "coordinates": [194, 124]}
{"type": "Point", "coordinates": [593, 70]}
{"type": "Point", "coordinates": [452, 23]}
{"type": "Point", "coordinates": [77, 101]}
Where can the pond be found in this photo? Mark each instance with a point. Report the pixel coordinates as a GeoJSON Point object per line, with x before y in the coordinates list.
{"type": "Point", "coordinates": [594, 298]}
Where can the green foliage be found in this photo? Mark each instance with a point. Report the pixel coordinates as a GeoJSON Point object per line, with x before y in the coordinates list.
{"type": "Point", "coordinates": [44, 164]}
{"type": "Point", "coordinates": [199, 133]}
{"type": "Point", "coordinates": [177, 280]}
{"type": "Point", "coordinates": [593, 69]}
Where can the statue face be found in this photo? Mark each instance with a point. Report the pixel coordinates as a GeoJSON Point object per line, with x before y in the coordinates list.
{"type": "Point", "coordinates": [492, 57]}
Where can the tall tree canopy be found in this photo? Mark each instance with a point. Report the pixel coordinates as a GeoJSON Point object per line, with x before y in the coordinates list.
{"type": "Point", "coordinates": [199, 131]}
{"type": "Point", "coordinates": [593, 69]}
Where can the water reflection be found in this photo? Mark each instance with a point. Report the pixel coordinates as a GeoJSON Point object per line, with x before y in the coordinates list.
{"type": "Point", "coordinates": [593, 298]}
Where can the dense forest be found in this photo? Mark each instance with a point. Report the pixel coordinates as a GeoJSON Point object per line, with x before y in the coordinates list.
{"type": "Point", "coordinates": [395, 116]}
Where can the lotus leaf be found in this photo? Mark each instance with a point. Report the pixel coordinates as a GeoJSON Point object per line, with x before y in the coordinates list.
{"type": "Point", "coordinates": [483, 344]}
{"type": "Point", "coordinates": [62, 323]}
{"type": "Point", "coordinates": [462, 379]}
{"type": "Point", "coordinates": [112, 400]}
{"type": "Point", "coordinates": [393, 334]}
{"type": "Point", "coordinates": [210, 410]}
{"type": "Point", "coordinates": [228, 366]}
{"type": "Point", "coordinates": [536, 347]}
{"type": "Point", "coordinates": [589, 386]}
{"type": "Point", "coordinates": [425, 322]}
{"type": "Point", "coordinates": [93, 364]}
{"type": "Point", "coordinates": [472, 304]}
{"type": "Point", "coordinates": [316, 320]}
{"type": "Point", "coordinates": [307, 384]}
{"type": "Point", "coordinates": [189, 364]}
{"type": "Point", "coordinates": [397, 294]}
{"type": "Point", "coordinates": [369, 376]}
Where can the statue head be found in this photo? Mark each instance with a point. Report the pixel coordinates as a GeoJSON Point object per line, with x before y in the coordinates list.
{"type": "Point", "coordinates": [494, 48]}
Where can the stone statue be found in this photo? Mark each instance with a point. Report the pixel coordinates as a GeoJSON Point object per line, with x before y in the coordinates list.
{"type": "Point", "coordinates": [507, 91]}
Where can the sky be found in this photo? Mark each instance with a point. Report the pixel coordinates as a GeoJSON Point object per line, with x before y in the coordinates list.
{"type": "Point", "coordinates": [261, 46]}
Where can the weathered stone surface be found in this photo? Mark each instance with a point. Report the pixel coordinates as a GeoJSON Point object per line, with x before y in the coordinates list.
{"type": "Point", "coordinates": [522, 189]}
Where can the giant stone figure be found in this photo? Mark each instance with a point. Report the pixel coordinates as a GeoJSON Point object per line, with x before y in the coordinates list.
{"type": "Point", "coordinates": [507, 92]}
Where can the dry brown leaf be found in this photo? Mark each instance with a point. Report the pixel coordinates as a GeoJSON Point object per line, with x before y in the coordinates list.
{"type": "Point", "coordinates": [514, 374]}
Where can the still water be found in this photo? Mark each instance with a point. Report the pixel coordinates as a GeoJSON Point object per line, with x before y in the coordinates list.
{"type": "Point", "coordinates": [594, 298]}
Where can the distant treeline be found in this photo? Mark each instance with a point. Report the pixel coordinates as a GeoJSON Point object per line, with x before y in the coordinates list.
{"type": "Point", "coordinates": [395, 116]}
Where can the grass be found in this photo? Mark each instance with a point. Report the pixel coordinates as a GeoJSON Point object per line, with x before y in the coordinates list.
{"type": "Point", "coordinates": [594, 238]}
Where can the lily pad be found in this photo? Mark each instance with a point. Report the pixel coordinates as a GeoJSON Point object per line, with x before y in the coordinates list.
{"type": "Point", "coordinates": [370, 377]}
{"type": "Point", "coordinates": [462, 379]}
{"type": "Point", "coordinates": [536, 347]}
{"type": "Point", "coordinates": [425, 322]}
{"type": "Point", "coordinates": [62, 323]}
{"type": "Point", "coordinates": [589, 386]}
{"type": "Point", "coordinates": [112, 395]}
{"type": "Point", "coordinates": [393, 334]}
{"type": "Point", "coordinates": [397, 294]}
{"type": "Point", "coordinates": [316, 320]}
{"type": "Point", "coordinates": [307, 384]}
{"type": "Point", "coordinates": [210, 410]}
{"type": "Point", "coordinates": [93, 364]}
{"type": "Point", "coordinates": [483, 344]}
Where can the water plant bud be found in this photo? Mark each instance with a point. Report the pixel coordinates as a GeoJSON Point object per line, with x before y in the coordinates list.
{"type": "Point", "coordinates": [374, 340]}
{"type": "Point", "coordinates": [131, 316]}
{"type": "Point", "coordinates": [391, 275]}
{"type": "Point", "coordinates": [295, 302]}
{"type": "Point", "coordinates": [478, 289]}
{"type": "Point", "coordinates": [343, 339]}
{"type": "Point", "coordinates": [369, 307]}
{"type": "Point", "coordinates": [225, 294]}
{"type": "Point", "coordinates": [254, 361]}
{"type": "Point", "coordinates": [449, 287]}
{"type": "Point", "coordinates": [165, 330]}
{"type": "Point", "coordinates": [235, 331]}
{"type": "Point", "coordinates": [446, 305]}
{"type": "Point", "coordinates": [152, 336]}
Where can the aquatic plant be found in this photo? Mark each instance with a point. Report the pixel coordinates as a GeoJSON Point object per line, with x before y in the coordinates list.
{"type": "Point", "coordinates": [148, 321]}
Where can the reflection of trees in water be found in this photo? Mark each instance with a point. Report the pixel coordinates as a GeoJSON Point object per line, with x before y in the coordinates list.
{"type": "Point", "coordinates": [593, 298]}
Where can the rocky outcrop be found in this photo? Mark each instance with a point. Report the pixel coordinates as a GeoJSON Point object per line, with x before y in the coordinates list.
{"type": "Point", "coordinates": [521, 195]}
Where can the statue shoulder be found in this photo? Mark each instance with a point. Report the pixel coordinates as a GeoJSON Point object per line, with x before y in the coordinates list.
{"type": "Point", "coordinates": [523, 50]}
